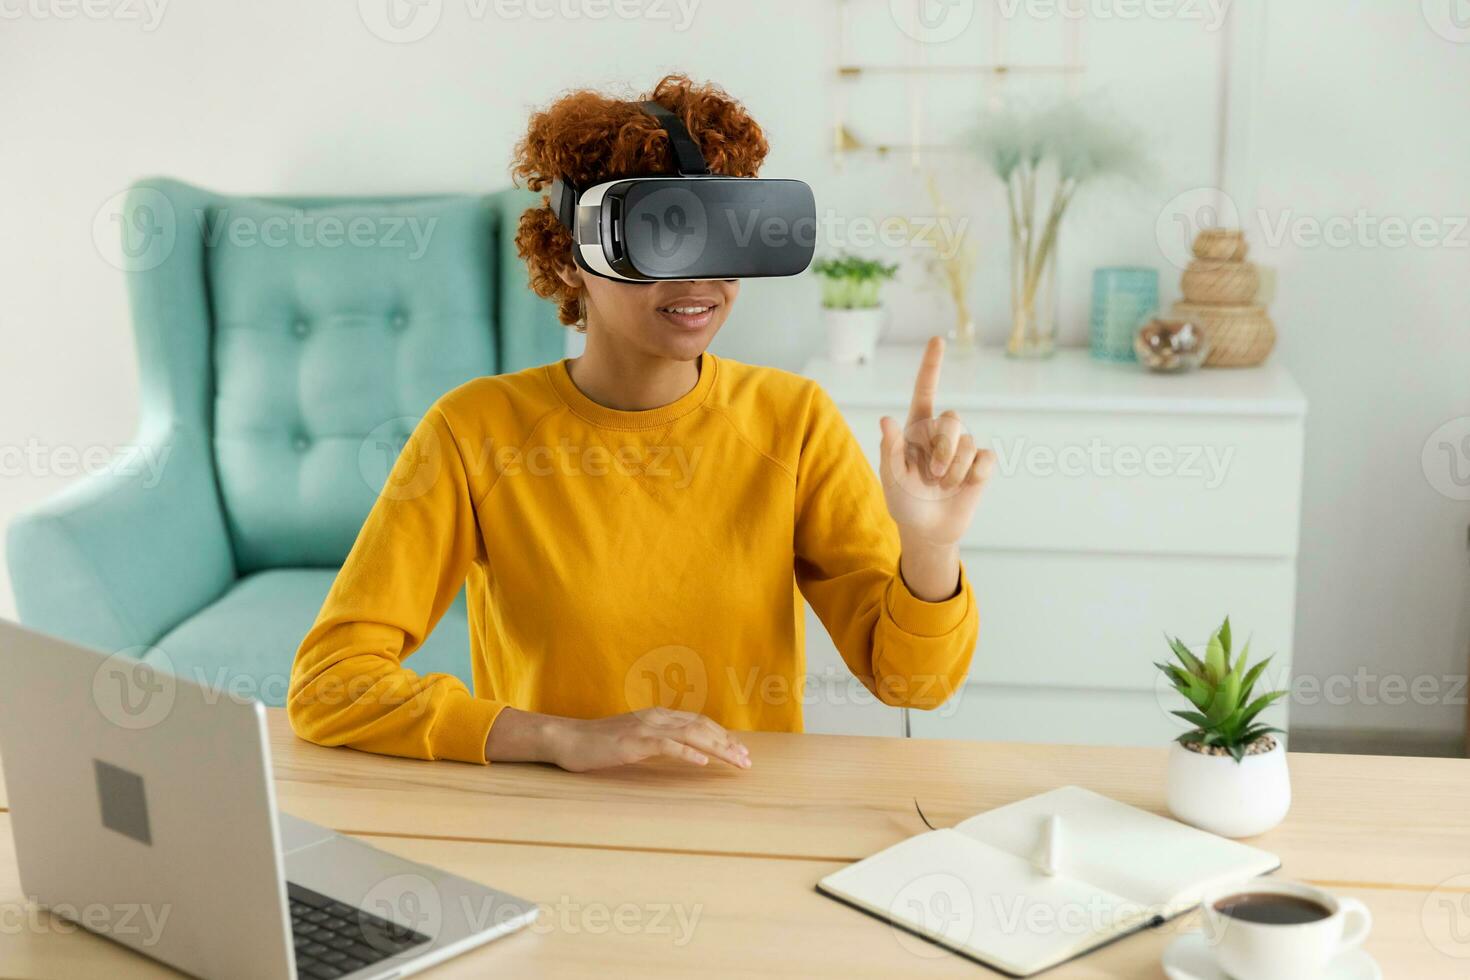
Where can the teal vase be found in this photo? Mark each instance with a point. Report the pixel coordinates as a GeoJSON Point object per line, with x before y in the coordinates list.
{"type": "Point", "coordinates": [1123, 299]}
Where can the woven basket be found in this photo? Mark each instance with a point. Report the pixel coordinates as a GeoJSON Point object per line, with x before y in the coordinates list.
{"type": "Point", "coordinates": [1224, 283]}
{"type": "Point", "coordinates": [1220, 244]}
{"type": "Point", "coordinates": [1239, 336]}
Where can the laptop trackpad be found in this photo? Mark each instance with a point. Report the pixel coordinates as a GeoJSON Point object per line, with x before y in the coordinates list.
{"type": "Point", "coordinates": [297, 833]}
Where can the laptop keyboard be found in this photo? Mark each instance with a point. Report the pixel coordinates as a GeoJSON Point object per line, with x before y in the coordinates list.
{"type": "Point", "coordinates": [332, 939]}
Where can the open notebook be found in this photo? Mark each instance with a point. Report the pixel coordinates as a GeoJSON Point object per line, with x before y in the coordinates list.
{"type": "Point", "coordinates": [975, 889]}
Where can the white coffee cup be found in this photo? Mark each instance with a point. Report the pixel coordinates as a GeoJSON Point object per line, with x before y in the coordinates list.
{"type": "Point", "coordinates": [1270, 951]}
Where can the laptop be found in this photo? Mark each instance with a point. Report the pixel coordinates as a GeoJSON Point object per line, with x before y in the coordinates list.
{"type": "Point", "coordinates": [143, 809]}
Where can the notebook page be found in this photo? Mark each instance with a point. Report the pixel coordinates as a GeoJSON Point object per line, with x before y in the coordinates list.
{"type": "Point", "coordinates": [1158, 862]}
{"type": "Point", "coordinates": [982, 901]}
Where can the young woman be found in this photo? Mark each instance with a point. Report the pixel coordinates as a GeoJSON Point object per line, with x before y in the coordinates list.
{"type": "Point", "coordinates": [634, 525]}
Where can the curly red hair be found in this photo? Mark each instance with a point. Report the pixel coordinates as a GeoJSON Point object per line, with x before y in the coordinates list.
{"type": "Point", "coordinates": [588, 137]}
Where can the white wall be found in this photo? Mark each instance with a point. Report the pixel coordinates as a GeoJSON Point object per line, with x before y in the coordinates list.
{"type": "Point", "coordinates": [1363, 111]}
{"type": "Point", "coordinates": [276, 96]}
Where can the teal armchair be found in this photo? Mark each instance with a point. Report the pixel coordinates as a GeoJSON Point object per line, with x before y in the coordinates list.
{"type": "Point", "coordinates": [287, 346]}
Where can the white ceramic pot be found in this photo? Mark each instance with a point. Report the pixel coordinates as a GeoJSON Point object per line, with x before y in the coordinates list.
{"type": "Point", "coordinates": [852, 335]}
{"type": "Point", "coordinates": [1229, 798]}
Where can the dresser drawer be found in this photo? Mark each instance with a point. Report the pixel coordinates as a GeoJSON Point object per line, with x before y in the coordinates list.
{"type": "Point", "coordinates": [836, 703]}
{"type": "Point", "coordinates": [1139, 483]}
{"type": "Point", "coordinates": [1099, 620]}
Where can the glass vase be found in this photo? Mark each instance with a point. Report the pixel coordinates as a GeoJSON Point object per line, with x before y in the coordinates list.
{"type": "Point", "coordinates": [962, 337]}
{"type": "Point", "coordinates": [1033, 298]}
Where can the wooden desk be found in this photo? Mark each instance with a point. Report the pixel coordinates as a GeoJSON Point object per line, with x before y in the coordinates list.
{"type": "Point", "coordinates": [679, 872]}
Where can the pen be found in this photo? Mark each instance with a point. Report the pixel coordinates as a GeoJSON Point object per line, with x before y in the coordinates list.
{"type": "Point", "coordinates": [1047, 855]}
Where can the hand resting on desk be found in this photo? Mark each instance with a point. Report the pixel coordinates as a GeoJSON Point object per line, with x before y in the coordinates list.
{"type": "Point", "coordinates": [579, 745]}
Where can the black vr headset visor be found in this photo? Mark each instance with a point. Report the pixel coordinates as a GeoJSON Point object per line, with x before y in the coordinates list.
{"type": "Point", "coordinates": [693, 225]}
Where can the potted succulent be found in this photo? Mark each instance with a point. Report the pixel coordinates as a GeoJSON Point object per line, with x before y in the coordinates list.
{"type": "Point", "coordinates": [851, 307]}
{"type": "Point", "coordinates": [1227, 774]}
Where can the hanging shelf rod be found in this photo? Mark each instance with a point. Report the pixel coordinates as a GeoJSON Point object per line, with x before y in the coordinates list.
{"type": "Point", "coordinates": [855, 71]}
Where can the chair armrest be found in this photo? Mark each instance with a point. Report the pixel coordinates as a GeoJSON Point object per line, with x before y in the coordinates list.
{"type": "Point", "coordinates": [117, 560]}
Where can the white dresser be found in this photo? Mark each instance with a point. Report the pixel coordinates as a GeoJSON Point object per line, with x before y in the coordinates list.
{"type": "Point", "coordinates": [1124, 505]}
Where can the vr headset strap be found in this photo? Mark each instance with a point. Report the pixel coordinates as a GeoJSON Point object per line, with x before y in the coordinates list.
{"type": "Point", "coordinates": [688, 160]}
{"type": "Point", "coordinates": [563, 203]}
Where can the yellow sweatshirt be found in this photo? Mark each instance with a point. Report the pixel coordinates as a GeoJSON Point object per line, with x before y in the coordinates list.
{"type": "Point", "coordinates": [618, 560]}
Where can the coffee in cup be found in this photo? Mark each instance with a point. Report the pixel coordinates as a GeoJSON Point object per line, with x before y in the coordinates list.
{"type": "Point", "coordinates": [1281, 930]}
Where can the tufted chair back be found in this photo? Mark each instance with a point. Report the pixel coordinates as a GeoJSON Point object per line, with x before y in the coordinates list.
{"type": "Point", "coordinates": [329, 327]}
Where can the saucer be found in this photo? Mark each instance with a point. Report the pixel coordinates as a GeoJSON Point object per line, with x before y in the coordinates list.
{"type": "Point", "coordinates": [1190, 958]}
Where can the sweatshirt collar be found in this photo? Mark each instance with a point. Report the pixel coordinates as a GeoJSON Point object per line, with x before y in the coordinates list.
{"type": "Point", "coordinates": [612, 418]}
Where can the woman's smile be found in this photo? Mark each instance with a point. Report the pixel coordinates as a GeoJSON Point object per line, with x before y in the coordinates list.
{"type": "Point", "coordinates": [690, 312]}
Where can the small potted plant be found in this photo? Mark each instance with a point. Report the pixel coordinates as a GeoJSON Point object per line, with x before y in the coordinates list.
{"type": "Point", "coordinates": [851, 307]}
{"type": "Point", "coordinates": [1227, 774]}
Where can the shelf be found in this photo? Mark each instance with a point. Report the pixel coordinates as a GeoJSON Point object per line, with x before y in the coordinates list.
{"type": "Point", "coordinates": [1070, 381]}
{"type": "Point", "coordinates": [884, 149]}
{"type": "Point", "coordinates": [855, 71]}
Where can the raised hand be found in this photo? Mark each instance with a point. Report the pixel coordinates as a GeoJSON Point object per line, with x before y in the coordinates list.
{"type": "Point", "coordinates": [932, 472]}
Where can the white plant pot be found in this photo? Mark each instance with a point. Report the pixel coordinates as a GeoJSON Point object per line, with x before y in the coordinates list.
{"type": "Point", "coordinates": [852, 335]}
{"type": "Point", "coordinates": [1229, 798]}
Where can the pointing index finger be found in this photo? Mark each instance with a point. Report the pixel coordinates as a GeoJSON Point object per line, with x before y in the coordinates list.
{"type": "Point", "coordinates": [926, 385]}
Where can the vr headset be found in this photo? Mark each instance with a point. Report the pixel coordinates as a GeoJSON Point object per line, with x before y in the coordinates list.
{"type": "Point", "coordinates": [692, 225]}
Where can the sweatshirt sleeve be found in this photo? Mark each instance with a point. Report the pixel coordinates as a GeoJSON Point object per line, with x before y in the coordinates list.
{"type": "Point", "coordinates": [907, 651]}
{"type": "Point", "coordinates": [349, 685]}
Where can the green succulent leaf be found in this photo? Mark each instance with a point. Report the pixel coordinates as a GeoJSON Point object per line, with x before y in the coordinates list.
{"type": "Point", "coordinates": [1251, 734]}
{"type": "Point", "coordinates": [1251, 676]}
{"type": "Point", "coordinates": [1196, 690]}
{"type": "Point", "coordinates": [1225, 701]}
{"type": "Point", "coordinates": [1237, 751]}
{"type": "Point", "coordinates": [1190, 661]}
{"type": "Point", "coordinates": [1260, 704]}
{"type": "Point", "coordinates": [1215, 660]}
{"type": "Point", "coordinates": [1236, 675]}
{"type": "Point", "coordinates": [1232, 724]}
{"type": "Point", "coordinates": [1177, 678]}
{"type": "Point", "coordinates": [1243, 658]}
{"type": "Point", "coordinates": [1193, 717]}
{"type": "Point", "coordinates": [1199, 692]}
{"type": "Point", "coordinates": [1224, 635]}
